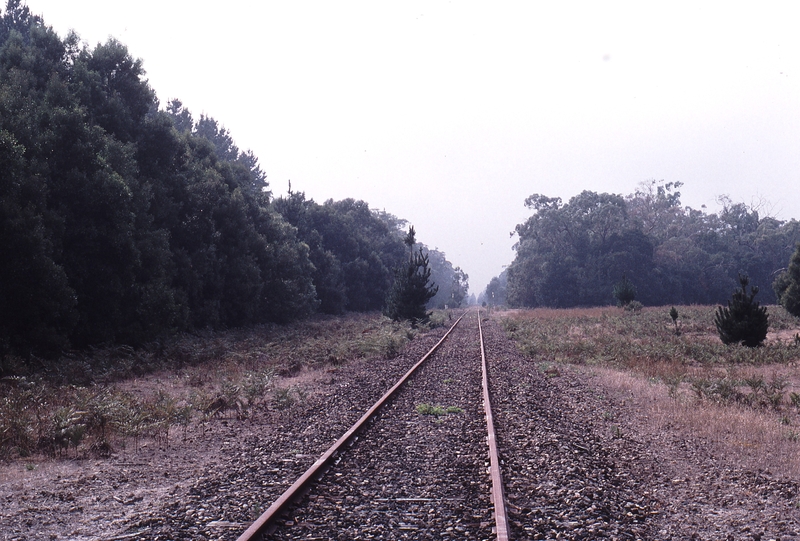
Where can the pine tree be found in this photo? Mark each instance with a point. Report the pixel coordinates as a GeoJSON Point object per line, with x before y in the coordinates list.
{"type": "Point", "coordinates": [743, 321]}
{"type": "Point", "coordinates": [410, 291]}
{"type": "Point", "coordinates": [787, 285]}
{"type": "Point", "coordinates": [624, 291]}
{"type": "Point", "coordinates": [673, 313]}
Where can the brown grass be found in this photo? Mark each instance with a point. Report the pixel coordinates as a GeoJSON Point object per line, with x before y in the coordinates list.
{"type": "Point", "coordinates": [106, 398]}
{"type": "Point", "coordinates": [744, 437]}
{"type": "Point", "coordinates": [736, 398]}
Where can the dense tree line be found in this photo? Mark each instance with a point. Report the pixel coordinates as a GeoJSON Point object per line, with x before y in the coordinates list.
{"type": "Point", "coordinates": [353, 248]}
{"type": "Point", "coordinates": [121, 221]}
{"type": "Point", "coordinates": [356, 250]}
{"type": "Point", "coordinates": [495, 293]}
{"type": "Point", "coordinates": [572, 254]}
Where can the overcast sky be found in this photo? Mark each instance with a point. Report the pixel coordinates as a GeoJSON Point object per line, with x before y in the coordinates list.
{"type": "Point", "coordinates": [449, 114]}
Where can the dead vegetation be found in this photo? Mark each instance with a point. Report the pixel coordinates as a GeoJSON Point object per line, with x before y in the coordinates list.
{"type": "Point", "coordinates": [93, 402]}
{"type": "Point", "coordinates": [743, 401]}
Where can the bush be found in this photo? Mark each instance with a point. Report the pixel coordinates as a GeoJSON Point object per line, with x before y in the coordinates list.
{"type": "Point", "coordinates": [633, 306]}
{"type": "Point", "coordinates": [787, 285]}
{"type": "Point", "coordinates": [624, 292]}
{"type": "Point", "coordinates": [673, 313]}
{"type": "Point", "coordinates": [743, 321]}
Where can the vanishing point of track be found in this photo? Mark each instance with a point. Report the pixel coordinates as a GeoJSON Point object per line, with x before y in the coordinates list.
{"type": "Point", "coordinates": [410, 475]}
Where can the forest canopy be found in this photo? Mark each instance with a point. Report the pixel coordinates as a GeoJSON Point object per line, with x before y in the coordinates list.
{"type": "Point", "coordinates": [572, 254]}
{"type": "Point", "coordinates": [121, 221]}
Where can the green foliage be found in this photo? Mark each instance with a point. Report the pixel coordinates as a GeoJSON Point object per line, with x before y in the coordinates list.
{"type": "Point", "coordinates": [787, 285]}
{"type": "Point", "coordinates": [633, 306]}
{"type": "Point", "coordinates": [427, 409]}
{"type": "Point", "coordinates": [120, 223]}
{"type": "Point", "coordinates": [757, 393]}
{"type": "Point", "coordinates": [351, 247]}
{"type": "Point", "coordinates": [410, 239]}
{"type": "Point", "coordinates": [208, 375]}
{"type": "Point", "coordinates": [256, 383]}
{"type": "Point", "coordinates": [411, 291]}
{"type": "Point", "coordinates": [624, 291]}
{"type": "Point", "coordinates": [609, 337]}
{"type": "Point", "coordinates": [569, 254]}
{"type": "Point", "coordinates": [673, 313]}
{"type": "Point", "coordinates": [18, 415]}
{"type": "Point", "coordinates": [496, 292]}
{"type": "Point", "coordinates": [438, 411]}
{"type": "Point", "coordinates": [284, 398]}
{"type": "Point", "coordinates": [743, 321]}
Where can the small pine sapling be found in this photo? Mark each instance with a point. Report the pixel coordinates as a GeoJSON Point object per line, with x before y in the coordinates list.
{"type": "Point", "coordinates": [673, 313]}
{"type": "Point", "coordinates": [743, 321]}
{"type": "Point", "coordinates": [624, 292]}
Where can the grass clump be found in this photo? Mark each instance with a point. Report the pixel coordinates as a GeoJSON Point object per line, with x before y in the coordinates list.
{"type": "Point", "coordinates": [428, 409]}
{"type": "Point", "coordinates": [438, 411]}
{"type": "Point", "coordinates": [286, 397]}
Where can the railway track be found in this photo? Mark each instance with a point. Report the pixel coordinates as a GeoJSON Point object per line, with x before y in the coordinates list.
{"type": "Point", "coordinates": [575, 466]}
{"type": "Point", "coordinates": [416, 474]}
{"type": "Point", "coordinates": [421, 470]}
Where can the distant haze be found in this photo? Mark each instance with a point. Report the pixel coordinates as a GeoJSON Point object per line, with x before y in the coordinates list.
{"type": "Point", "coordinates": [449, 114]}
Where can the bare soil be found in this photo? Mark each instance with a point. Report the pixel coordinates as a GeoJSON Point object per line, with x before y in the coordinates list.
{"type": "Point", "coordinates": [596, 430]}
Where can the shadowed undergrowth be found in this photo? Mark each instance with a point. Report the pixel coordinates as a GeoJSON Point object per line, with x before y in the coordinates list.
{"type": "Point", "coordinates": [96, 401]}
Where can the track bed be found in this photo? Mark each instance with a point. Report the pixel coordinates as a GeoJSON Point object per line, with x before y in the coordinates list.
{"type": "Point", "coordinates": [412, 474]}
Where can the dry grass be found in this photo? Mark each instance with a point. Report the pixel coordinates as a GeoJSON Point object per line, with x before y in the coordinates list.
{"type": "Point", "coordinates": [744, 437]}
{"type": "Point", "coordinates": [746, 402]}
{"type": "Point", "coordinates": [106, 398]}
{"type": "Point", "coordinates": [641, 341]}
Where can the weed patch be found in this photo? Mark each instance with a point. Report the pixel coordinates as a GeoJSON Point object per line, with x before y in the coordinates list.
{"type": "Point", "coordinates": [438, 411]}
{"type": "Point", "coordinates": [95, 401]}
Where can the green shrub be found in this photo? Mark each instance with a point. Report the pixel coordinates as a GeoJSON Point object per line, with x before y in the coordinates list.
{"type": "Point", "coordinates": [787, 285]}
{"type": "Point", "coordinates": [673, 313]}
{"type": "Point", "coordinates": [428, 409]}
{"type": "Point", "coordinates": [743, 321]}
{"type": "Point", "coordinates": [624, 291]}
{"type": "Point", "coordinates": [634, 306]}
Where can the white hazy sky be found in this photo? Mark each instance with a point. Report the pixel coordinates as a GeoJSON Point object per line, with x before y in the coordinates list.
{"type": "Point", "coordinates": [449, 114]}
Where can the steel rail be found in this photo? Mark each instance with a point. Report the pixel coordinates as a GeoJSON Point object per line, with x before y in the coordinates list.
{"type": "Point", "coordinates": [498, 498]}
{"type": "Point", "coordinates": [256, 530]}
